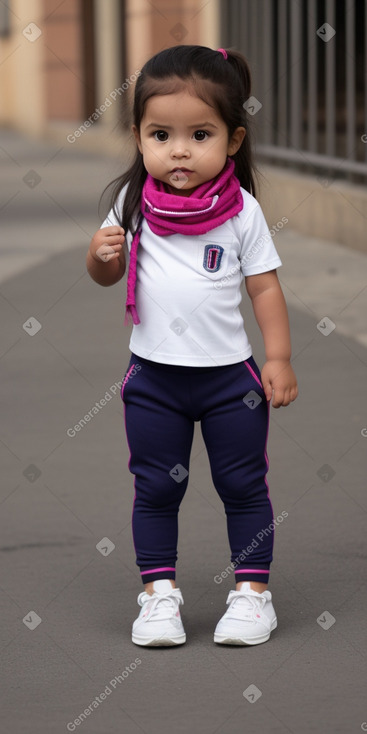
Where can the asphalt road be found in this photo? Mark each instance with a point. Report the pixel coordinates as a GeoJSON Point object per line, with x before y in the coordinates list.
{"type": "Point", "coordinates": [67, 608]}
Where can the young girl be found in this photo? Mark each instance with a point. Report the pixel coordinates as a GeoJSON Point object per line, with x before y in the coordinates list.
{"type": "Point", "coordinates": [186, 209]}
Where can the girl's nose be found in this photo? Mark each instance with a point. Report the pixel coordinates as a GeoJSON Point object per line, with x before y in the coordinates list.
{"type": "Point", "coordinates": [179, 150]}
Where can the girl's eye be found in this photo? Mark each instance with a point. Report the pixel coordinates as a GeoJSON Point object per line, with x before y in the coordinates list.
{"type": "Point", "coordinates": [200, 135]}
{"type": "Point", "coordinates": [161, 136]}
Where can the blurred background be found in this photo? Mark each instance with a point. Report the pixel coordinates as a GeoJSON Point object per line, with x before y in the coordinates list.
{"type": "Point", "coordinates": [62, 62]}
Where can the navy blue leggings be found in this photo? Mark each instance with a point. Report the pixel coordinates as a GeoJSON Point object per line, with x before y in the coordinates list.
{"type": "Point", "coordinates": [161, 403]}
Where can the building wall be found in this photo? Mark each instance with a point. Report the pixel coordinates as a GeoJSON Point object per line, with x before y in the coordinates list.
{"type": "Point", "coordinates": [63, 72]}
{"type": "Point", "coordinates": [42, 91]}
{"type": "Point", "coordinates": [154, 27]}
{"type": "Point", "coordinates": [41, 65]}
{"type": "Point", "coordinates": [22, 92]}
{"type": "Point", "coordinates": [108, 40]}
{"type": "Point", "coordinates": [42, 62]}
{"type": "Point", "coordinates": [151, 28]}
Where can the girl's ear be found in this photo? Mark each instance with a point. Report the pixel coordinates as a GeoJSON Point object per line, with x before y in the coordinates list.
{"type": "Point", "coordinates": [137, 137]}
{"type": "Point", "coordinates": [236, 140]}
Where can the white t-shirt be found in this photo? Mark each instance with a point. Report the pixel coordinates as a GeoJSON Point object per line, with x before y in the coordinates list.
{"type": "Point", "coordinates": [187, 289]}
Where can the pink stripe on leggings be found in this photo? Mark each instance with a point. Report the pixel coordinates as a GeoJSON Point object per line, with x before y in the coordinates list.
{"type": "Point", "coordinates": [252, 570]}
{"type": "Point", "coordinates": [153, 570]}
{"type": "Point", "coordinates": [266, 440]}
{"type": "Point", "coordinates": [132, 513]}
{"type": "Point", "coordinates": [253, 374]}
{"type": "Point", "coordinates": [125, 381]}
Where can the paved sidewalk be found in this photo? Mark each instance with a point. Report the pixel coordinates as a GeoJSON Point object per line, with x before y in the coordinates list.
{"type": "Point", "coordinates": [64, 491]}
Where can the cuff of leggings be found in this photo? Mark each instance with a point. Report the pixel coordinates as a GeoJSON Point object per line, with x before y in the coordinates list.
{"type": "Point", "coordinates": [252, 574]}
{"type": "Point", "coordinates": [154, 574]}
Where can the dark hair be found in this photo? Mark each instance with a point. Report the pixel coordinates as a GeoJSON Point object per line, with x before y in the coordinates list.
{"type": "Point", "coordinates": [225, 84]}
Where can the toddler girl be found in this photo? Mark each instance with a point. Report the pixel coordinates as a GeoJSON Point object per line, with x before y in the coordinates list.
{"type": "Point", "coordinates": [186, 213]}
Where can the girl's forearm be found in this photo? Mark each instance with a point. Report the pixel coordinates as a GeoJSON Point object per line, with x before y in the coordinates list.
{"type": "Point", "coordinates": [106, 273]}
{"type": "Point", "coordinates": [272, 317]}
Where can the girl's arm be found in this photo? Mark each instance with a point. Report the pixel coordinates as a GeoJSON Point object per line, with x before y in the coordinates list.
{"type": "Point", "coordinates": [272, 317]}
{"type": "Point", "coordinates": [105, 258]}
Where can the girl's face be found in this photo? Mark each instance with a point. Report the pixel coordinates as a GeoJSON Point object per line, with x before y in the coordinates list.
{"type": "Point", "coordinates": [184, 142]}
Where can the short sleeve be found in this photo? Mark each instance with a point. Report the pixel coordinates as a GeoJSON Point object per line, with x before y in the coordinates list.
{"type": "Point", "coordinates": [111, 219]}
{"type": "Point", "coordinates": [258, 253]}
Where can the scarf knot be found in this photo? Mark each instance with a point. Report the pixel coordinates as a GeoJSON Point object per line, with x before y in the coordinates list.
{"type": "Point", "coordinates": [210, 205]}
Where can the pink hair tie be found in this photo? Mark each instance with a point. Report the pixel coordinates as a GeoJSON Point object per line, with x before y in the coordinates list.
{"type": "Point", "coordinates": [223, 51]}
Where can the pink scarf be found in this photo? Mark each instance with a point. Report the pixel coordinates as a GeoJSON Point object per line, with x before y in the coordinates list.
{"type": "Point", "coordinates": [211, 204]}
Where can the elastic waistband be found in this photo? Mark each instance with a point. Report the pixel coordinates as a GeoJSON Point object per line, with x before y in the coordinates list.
{"type": "Point", "coordinates": [182, 368]}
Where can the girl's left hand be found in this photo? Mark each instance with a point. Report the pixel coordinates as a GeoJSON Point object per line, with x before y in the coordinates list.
{"type": "Point", "coordinates": [277, 375]}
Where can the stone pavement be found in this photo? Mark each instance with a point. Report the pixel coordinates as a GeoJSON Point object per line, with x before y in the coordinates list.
{"type": "Point", "coordinates": [66, 607]}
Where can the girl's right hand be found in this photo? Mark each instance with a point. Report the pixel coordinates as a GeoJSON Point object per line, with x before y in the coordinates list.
{"type": "Point", "coordinates": [107, 243]}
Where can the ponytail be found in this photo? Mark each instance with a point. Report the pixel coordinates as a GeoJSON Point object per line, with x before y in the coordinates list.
{"type": "Point", "coordinates": [245, 168]}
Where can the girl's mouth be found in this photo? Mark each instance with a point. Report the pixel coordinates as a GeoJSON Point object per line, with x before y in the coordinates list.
{"type": "Point", "coordinates": [182, 170]}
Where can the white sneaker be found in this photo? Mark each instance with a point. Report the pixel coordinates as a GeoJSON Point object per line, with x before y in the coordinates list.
{"type": "Point", "coordinates": [159, 621]}
{"type": "Point", "coordinates": [249, 620]}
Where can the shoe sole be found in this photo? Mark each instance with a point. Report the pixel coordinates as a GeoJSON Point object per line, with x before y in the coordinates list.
{"type": "Point", "coordinates": [225, 640]}
{"type": "Point", "coordinates": [158, 641]}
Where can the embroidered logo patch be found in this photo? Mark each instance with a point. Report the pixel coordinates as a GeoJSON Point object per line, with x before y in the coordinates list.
{"type": "Point", "coordinates": [212, 257]}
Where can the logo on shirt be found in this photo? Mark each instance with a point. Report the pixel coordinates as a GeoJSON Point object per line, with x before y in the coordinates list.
{"type": "Point", "coordinates": [212, 257]}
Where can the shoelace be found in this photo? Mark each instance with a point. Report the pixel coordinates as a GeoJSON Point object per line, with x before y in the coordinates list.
{"type": "Point", "coordinates": [254, 603]}
{"type": "Point", "coordinates": [173, 597]}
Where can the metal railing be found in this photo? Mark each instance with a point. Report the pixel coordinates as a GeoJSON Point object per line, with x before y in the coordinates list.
{"type": "Point", "coordinates": [308, 61]}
